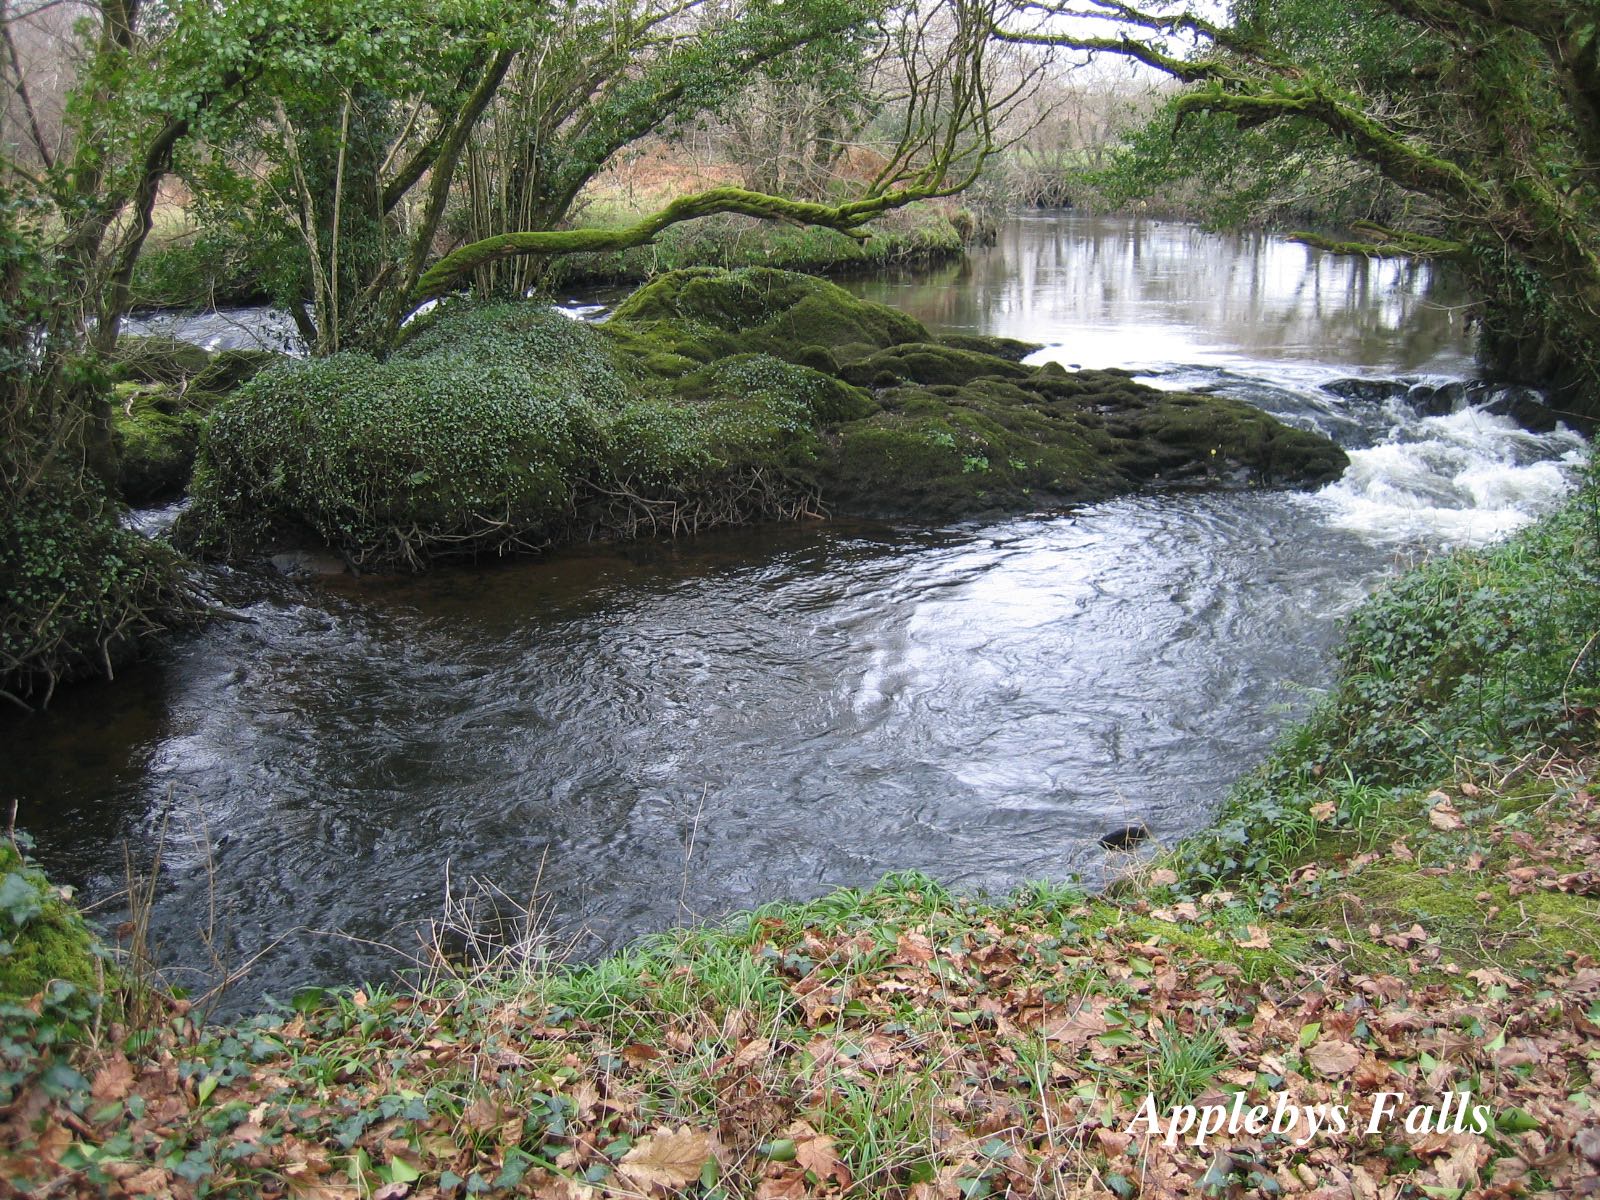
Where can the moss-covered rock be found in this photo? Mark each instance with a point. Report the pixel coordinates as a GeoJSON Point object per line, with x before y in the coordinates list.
{"type": "Point", "coordinates": [230, 369]}
{"type": "Point", "coordinates": [928, 363]}
{"type": "Point", "coordinates": [704, 315]}
{"type": "Point", "coordinates": [1043, 437]}
{"type": "Point", "coordinates": [167, 390]}
{"type": "Point", "coordinates": [466, 441]}
{"type": "Point", "coordinates": [42, 936]}
{"type": "Point", "coordinates": [1009, 349]}
{"type": "Point", "coordinates": [157, 436]}
{"type": "Point", "coordinates": [503, 427]}
{"type": "Point", "coordinates": [157, 359]}
{"type": "Point", "coordinates": [826, 398]}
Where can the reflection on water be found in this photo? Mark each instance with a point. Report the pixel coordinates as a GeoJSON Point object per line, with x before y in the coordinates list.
{"type": "Point", "coordinates": [809, 706]}
{"type": "Point", "coordinates": [1119, 293]}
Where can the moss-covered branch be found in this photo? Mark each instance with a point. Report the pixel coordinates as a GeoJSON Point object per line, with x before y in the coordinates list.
{"type": "Point", "coordinates": [1392, 244]}
{"type": "Point", "coordinates": [1402, 160]}
{"type": "Point", "coordinates": [845, 218]}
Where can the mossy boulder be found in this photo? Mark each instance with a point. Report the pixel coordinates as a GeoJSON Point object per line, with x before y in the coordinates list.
{"type": "Point", "coordinates": [229, 369]}
{"type": "Point", "coordinates": [166, 390]}
{"type": "Point", "coordinates": [1044, 437]}
{"type": "Point", "coordinates": [1009, 349]}
{"type": "Point", "coordinates": [703, 315]}
{"type": "Point", "coordinates": [826, 398]}
{"type": "Point", "coordinates": [499, 427]}
{"type": "Point", "coordinates": [952, 425]}
{"type": "Point", "coordinates": [42, 936]}
{"type": "Point", "coordinates": [156, 359]}
{"type": "Point", "coordinates": [157, 431]}
{"type": "Point", "coordinates": [929, 363]}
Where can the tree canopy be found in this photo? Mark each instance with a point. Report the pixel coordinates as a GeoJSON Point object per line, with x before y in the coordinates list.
{"type": "Point", "coordinates": [1482, 115]}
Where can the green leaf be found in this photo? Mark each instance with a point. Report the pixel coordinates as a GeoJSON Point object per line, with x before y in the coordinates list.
{"type": "Point", "coordinates": [398, 1170]}
{"type": "Point", "coordinates": [1515, 1120]}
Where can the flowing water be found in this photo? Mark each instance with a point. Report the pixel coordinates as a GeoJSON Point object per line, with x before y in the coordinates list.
{"type": "Point", "coordinates": [664, 732]}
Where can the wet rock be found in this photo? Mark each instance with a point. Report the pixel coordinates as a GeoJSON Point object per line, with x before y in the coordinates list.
{"type": "Point", "coordinates": [1367, 391]}
{"type": "Point", "coordinates": [1437, 400]}
{"type": "Point", "coordinates": [308, 564]}
{"type": "Point", "coordinates": [704, 314]}
{"type": "Point", "coordinates": [167, 388]}
{"type": "Point", "coordinates": [1126, 838]}
{"type": "Point", "coordinates": [1009, 349]}
{"type": "Point", "coordinates": [1525, 406]}
{"type": "Point", "coordinates": [956, 426]}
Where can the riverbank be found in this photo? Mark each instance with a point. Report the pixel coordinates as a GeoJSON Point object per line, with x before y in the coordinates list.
{"type": "Point", "coordinates": [1401, 901]}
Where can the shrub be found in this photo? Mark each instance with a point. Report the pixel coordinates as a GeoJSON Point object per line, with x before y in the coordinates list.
{"type": "Point", "coordinates": [78, 589]}
{"type": "Point", "coordinates": [393, 463]}
{"type": "Point", "coordinates": [497, 428]}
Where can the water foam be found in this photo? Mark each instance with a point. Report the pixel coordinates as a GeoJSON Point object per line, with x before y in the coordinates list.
{"type": "Point", "coordinates": [1465, 478]}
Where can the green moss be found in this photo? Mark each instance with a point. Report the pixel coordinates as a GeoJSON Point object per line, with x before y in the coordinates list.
{"type": "Point", "coordinates": [464, 442]}
{"type": "Point", "coordinates": [1009, 349]}
{"type": "Point", "coordinates": [503, 427]}
{"type": "Point", "coordinates": [704, 315]}
{"type": "Point", "coordinates": [509, 426]}
{"type": "Point", "coordinates": [917, 234]}
{"type": "Point", "coordinates": [923, 362]}
{"type": "Point", "coordinates": [963, 426]}
{"type": "Point", "coordinates": [674, 449]}
{"type": "Point", "coordinates": [1469, 920]}
{"type": "Point", "coordinates": [229, 369]}
{"type": "Point", "coordinates": [751, 376]}
{"type": "Point", "coordinates": [156, 441]}
{"type": "Point", "coordinates": [1023, 437]}
{"type": "Point", "coordinates": [42, 937]}
{"type": "Point", "coordinates": [1217, 940]}
{"type": "Point", "coordinates": [157, 359]}
{"type": "Point", "coordinates": [168, 388]}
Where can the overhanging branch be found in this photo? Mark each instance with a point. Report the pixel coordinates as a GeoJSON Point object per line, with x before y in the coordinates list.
{"type": "Point", "coordinates": [844, 218]}
{"type": "Point", "coordinates": [1392, 243]}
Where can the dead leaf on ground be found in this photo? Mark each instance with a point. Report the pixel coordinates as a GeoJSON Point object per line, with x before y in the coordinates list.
{"type": "Point", "coordinates": [666, 1159]}
{"type": "Point", "coordinates": [1333, 1058]}
{"type": "Point", "coordinates": [1259, 939]}
{"type": "Point", "coordinates": [114, 1080]}
{"type": "Point", "coordinates": [1443, 815]}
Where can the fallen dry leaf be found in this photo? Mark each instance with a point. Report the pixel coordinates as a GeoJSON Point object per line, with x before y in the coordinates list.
{"type": "Point", "coordinates": [1443, 815]}
{"type": "Point", "coordinates": [1333, 1058]}
{"type": "Point", "coordinates": [666, 1159]}
{"type": "Point", "coordinates": [114, 1080]}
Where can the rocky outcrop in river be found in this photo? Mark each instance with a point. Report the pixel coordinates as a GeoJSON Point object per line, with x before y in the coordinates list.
{"type": "Point", "coordinates": [710, 398]}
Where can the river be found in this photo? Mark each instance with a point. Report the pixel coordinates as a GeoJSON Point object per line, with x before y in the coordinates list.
{"type": "Point", "coordinates": [660, 733]}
